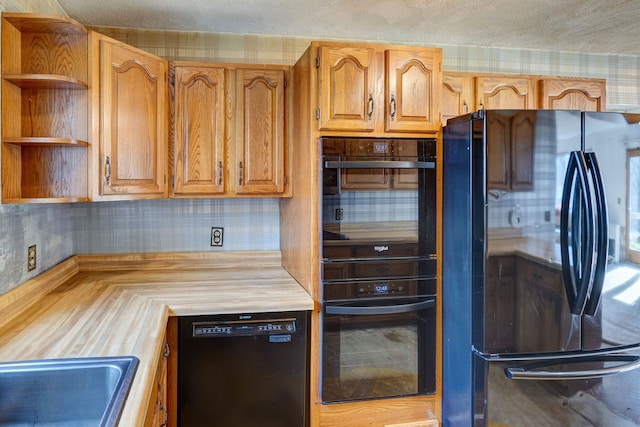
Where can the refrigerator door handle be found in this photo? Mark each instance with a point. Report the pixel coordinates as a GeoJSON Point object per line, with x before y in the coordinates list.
{"type": "Point", "coordinates": [631, 362]}
{"type": "Point", "coordinates": [602, 235]}
{"type": "Point", "coordinates": [577, 265]}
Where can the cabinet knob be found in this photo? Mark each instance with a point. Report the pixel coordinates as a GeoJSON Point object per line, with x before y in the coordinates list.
{"type": "Point", "coordinates": [465, 106]}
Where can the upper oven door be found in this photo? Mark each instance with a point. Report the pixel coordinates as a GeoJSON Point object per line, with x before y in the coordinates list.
{"type": "Point", "coordinates": [378, 208]}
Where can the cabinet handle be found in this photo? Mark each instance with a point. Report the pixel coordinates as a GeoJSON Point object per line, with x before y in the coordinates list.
{"type": "Point", "coordinates": [165, 416]}
{"type": "Point", "coordinates": [107, 173]}
{"type": "Point", "coordinates": [240, 179]}
{"type": "Point", "coordinates": [165, 350]}
{"type": "Point", "coordinates": [393, 107]}
{"type": "Point", "coordinates": [370, 112]}
{"type": "Point", "coordinates": [481, 105]}
{"type": "Point", "coordinates": [219, 173]}
{"type": "Point", "coordinates": [465, 106]}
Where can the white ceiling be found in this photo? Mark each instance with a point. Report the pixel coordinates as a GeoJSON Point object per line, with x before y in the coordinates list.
{"type": "Point", "coordinates": [596, 26]}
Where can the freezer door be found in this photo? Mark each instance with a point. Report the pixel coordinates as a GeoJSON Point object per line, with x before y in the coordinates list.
{"type": "Point", "coordinates": [614, 139]}
{"type": "Point", "coordinates": [609, 398]}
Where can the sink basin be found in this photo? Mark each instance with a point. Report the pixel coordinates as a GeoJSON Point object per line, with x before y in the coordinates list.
{"type": "Point", "coordinates": [65, 392]}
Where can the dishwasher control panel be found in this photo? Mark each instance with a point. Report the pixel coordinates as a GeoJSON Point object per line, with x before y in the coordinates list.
{"type": "Point", "coordinates": [244, 328]}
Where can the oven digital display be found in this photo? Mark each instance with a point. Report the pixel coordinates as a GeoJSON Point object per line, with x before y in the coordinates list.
{"type": "Point", "coordinates": [381, 288]}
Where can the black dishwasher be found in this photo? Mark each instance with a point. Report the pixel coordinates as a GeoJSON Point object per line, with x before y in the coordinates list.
{"type": "Point", "coordinates": [244, 370]}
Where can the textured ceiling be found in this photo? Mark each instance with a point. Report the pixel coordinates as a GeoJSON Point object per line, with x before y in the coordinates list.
{"type": "Point", "coordinates": [595, 26]}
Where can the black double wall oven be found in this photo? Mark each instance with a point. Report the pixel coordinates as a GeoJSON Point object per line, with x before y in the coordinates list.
{"type": "Point", "coordinates": [378, 268]}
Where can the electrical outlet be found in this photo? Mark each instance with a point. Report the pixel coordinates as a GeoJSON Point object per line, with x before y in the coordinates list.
{"type": "Point", "coordinates": [217, 234]}
{"type": "Point", "coordinates": [31, 258]}
{"type": "Point", "coordinates": [339, 214]}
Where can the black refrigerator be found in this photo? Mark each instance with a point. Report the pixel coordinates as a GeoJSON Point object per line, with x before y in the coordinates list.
{"type": "Point", "coordinates": [541, 269]}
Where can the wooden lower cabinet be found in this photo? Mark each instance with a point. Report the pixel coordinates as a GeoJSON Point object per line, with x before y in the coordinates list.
{"type": "Point", "coordinates": [162, 408]}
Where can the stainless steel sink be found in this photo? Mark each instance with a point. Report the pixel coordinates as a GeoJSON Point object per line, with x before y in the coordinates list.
{"type": "Point", "coordinates": [65, 392]}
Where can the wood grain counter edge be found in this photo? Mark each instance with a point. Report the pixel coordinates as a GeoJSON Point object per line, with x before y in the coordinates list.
{"type": "Point", "coordinates": [116, 281]}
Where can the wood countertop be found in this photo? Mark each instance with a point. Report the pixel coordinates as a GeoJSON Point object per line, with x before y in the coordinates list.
{"type": "Point", "coordinates": [112, 305]}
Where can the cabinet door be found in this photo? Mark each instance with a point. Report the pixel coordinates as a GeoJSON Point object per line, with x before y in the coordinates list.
{"type": "Point", "coordinates": [347, 88]}
{"type": "Point", "coordinates": [260, 137]}
{"type": "Point", "coordinates": [133, 121]}
{"type": "Point", "coordinates": [457, 95]}
{"type": "Point", "coordinates": [505, 92]}
{"type": "Point", "coordinates": [199, 130]}
{"type": "Point", "coordinates": [572, 94]}
{"type": "Point", "coordinates": [412, 91]}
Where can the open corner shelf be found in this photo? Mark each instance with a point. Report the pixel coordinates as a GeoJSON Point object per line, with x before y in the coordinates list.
{"type": "Point", "coordinates": [44, 93]}
{"type": "Point", "coordinates": [26, 141]}
{"type": "Point", "coordinates": [45, 81]}
{"type": "Point", "coordinates": [40, 23]}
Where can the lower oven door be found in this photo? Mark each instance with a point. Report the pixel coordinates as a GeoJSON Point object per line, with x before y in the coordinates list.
{"type": "Point", "coordinates": [378, 348]}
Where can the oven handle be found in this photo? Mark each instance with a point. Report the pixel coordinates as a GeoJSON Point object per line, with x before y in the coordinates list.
{"type": "Point", "coordinates": [385, 309]}
{"type": "Point", "coordinates": [376, 164]}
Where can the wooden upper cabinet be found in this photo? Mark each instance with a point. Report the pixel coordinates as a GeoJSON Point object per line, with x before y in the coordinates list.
{"type": "Point", "coordinates": [412, 89]}
{"type": "Point", "coordinates": [229, 136]}
{"type": "Point", "coordinates": [517, 92]}
{"type": "Point", "coordinates": [505, 92]}
{"type": "Point", "coordinates": [562, 93]}
{"type": "Point", "coordinates": [133, 111]}
{"type": "Point", "coordinates": [378, 88]}
{"type": "Point", "coordinates": [458, 95]}
{"type": "Point", "coordinates": [45, 133]}
{"type": "Point", "coordinates": [347, 88]}
{"type": "Point", "coordinates": [199, 134]}
{"type": "Point", "coordinates": [260, 131]}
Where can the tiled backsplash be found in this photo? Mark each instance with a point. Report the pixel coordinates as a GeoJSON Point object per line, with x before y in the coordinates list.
{"type": "Point", "coordinates": [175, 225]}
